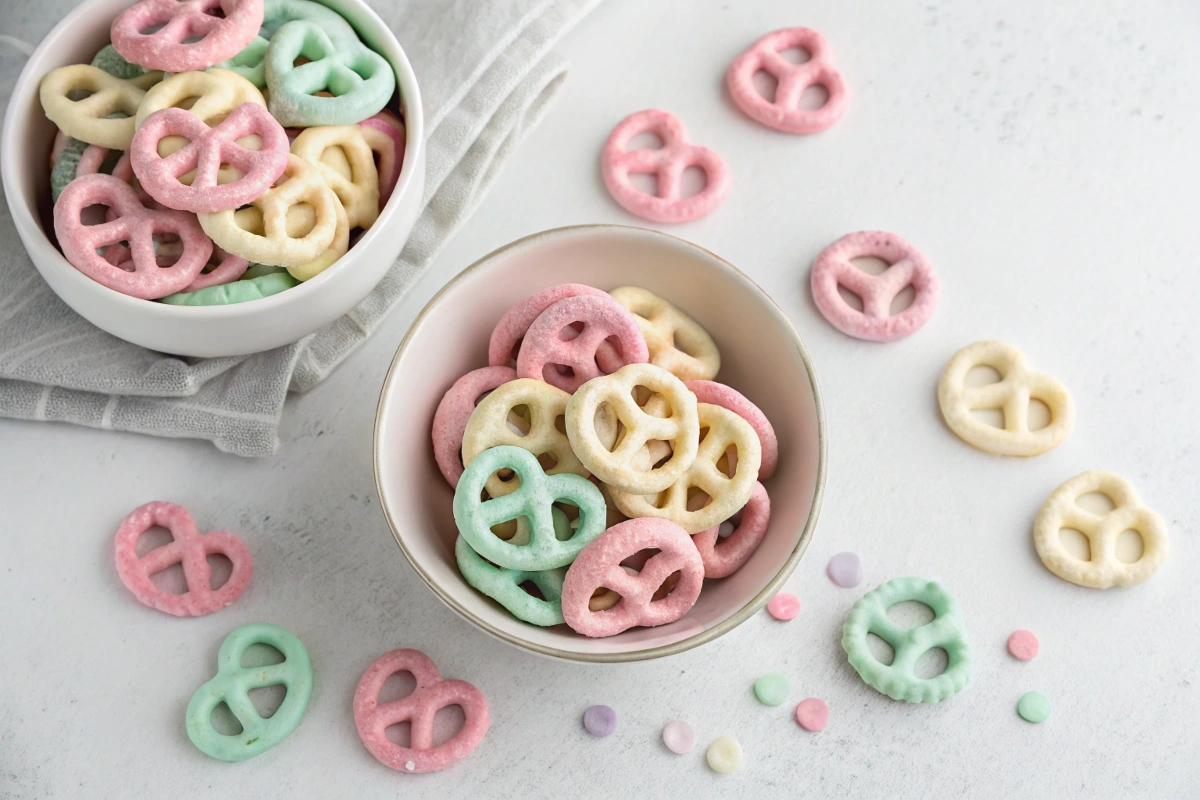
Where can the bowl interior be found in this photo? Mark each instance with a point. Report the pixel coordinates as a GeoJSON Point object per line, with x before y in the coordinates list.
{"type": "Point", "coordinates": [761, 355]}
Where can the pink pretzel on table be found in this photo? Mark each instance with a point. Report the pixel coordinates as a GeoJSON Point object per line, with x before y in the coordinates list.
{"type": "Point", "coordinates": [432, 694]}
{"type": "Point", "coordinates": [784, 113]}
{"type": "Point", "coordinates": [907, 267]}
{"type": "Point", "coordinates": [133, 223]}
{"type": "Point", "coordinates": [667, 164]}
{"type": "Point", "coordinates": [167, 49]}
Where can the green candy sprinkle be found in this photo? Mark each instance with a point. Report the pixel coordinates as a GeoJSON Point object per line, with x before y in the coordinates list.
{"type": "Point", "coordinates": [232, 684]}
{"type": "Point", "coordinates": [1034, 707]}
{"type": "Point", "coordinates": [242, 291]}
{"type": "Point", "coordinates": [898, 680]}
{"type": "Point", "coordinates": [772, 689]}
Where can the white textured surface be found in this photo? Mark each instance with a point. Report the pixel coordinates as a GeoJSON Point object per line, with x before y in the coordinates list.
{"type": "Point", "coordinates": [1044, 157]}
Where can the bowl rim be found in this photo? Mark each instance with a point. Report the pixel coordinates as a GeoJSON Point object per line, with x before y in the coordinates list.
{"type": "Point", "coordinates": [703, 637]}
{"type": "Point", "coordinates": [414, 142]}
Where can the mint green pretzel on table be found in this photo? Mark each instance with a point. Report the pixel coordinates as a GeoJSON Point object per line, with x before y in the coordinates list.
{"type": "Point", "coordinates": [898, 680]}
{"type": "Point", "coordinates": [231, 685]}
{"type": "Point", "coordinates": [534, 499]}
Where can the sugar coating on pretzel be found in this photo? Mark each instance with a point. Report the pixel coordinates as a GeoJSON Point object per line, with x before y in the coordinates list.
{"type": "Point", "coordinates": [621, 466]}
{"type": "Point", "coordinates": [1017, 386]}
{"type": "Point", "coordinates": [510, 330]}
{"type": "Point", "coordinates": [721, 430]}
{"type": "Point", "coordinates": [718, 394]}
{"type": "Point", "coordinates": [215, 93]}
{"type": "Point", "coordinates": [676, 342]}
{"type": "Point", "coordinates": [490, 425]}
{"type": "Point", "coordinates": [898, 680]}
{"type": "Point", "coordinates": [454, 412]}
{"type": "Point", "coordinates": [171, 48]}
{"type": "Point", "coordinates": [105, 117]}
{"type": "Point", "coordinates": [723, 557]}
{"type": "Point", "coordinates": [504, 586]}
{"type": "Point", "coordinates": [599, 565]}
{"type": "Point", "coordinates": [603, 324]}
{"type": "Point", "coordinates": [783, 112]}
{"type": "Point", "coordinates": [358, 192]}
{"type": "Point", "coordinates": [1104, 569]}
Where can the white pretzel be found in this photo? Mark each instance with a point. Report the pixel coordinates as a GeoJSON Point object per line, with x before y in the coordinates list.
{"type": "Point", "coordinates": [619, 467]}
{"type": "Point", "coordinates": [664, 327]}
{"type": "Point", "coordinates": [727, 494]}
{"type": "Point", "coordinates": [1104, 570]}
{"type": "Point", "coordinates": [1017, 386]}
{"type": "Point", "coordinates": [344, 144]}
{"type": "Point", "coordinates": [86, 119]}
{"type": "Point", "coordinates": [217, 94]}
{"type": "Point", "coordinates": [488, 427]}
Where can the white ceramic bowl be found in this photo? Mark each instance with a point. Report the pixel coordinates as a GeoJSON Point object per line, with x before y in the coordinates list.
{"type": "Point", "coordinates": [761, 356]}
{"type": "Point", "coordinates": [201, 330]}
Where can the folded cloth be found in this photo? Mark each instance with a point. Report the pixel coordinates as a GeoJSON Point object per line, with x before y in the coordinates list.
{"type": "Point", "coordinates": [486, 72]}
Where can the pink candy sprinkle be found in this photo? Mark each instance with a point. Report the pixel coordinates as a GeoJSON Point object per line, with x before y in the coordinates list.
{"type": "Point", "coordinates": [845, 569]}
{"type": "Point", "coordinates": [1023, 645]}
{"type": "Point", "coordinates": [784, 606]}
{"type": "Point", "coordinates": [812, 714]}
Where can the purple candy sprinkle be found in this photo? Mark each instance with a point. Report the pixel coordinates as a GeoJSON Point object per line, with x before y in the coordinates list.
{"type": "Point", "coordinates": [600, 720]}
{"type": "Point", "coordinates": [845, 569]}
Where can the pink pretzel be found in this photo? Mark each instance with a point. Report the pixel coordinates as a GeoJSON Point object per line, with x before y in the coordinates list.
{"type": "Point", "coordinates": [570, 363]}
{"type": "Point", "coordinates": [599, 565]}
{"type": "Point", "coordinates": [667, 164]}
{"type": "Point", "coordinates": [718, 394]}
{"type": "Point", "coordinates": [167, 49]}
{"type": "Point", "coordinates": [908, 267]}
{"type": "Point", "coordinates": [207, 149]}
{"type": "Point", "coordinates": [390, 161]}
{"type": "Point", "coordinates": [506, 336]}
{"type": "Point", "coordinates": [134, 223]}
{"type": "Point", "coordinates": [189, 548]}
{"type": "Point", "coordinates": [450, 419]}
{"type": "Point", "coordinates": [784, 113]}
{"type": "Point", "coordinates": [432, 694]}
{"type": "Point", "coordinates": [723, 557]}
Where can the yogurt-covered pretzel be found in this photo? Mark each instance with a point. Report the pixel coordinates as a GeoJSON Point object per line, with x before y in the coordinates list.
{"type": "Point", "coordinates": [621, 467]}
{"type": "Point", "coordinates": [1017, 386]}
{"type": "Point", "coordinates": [387, 143]}
{"type": "Point", "coordinates": [191, 37]}
{"type": "Point", "coordinates": [88, 119]}
{"type": "Point", "coordinates": [676, 342]}
{"type": "Point", "coordinates": [359, 194]}
{"type": "Point", "coordinates": [489, 426]}
{"type": "Point", "coordinates": [454, 412]}
{"type": "Point", "coordinates": [132, 223]}
{"type": "Point", "coordinates": [723, 557]}
{"type": "Point", "coordinates": [1104, 569]}
{"type": "Point", "coordinates": [276, 246]}
{"type": "Point", "coordinates": [599, 566]}
{"type": "Point", "coordinates": [727, 494]}
{"type": "Point", "coordinates": [784, 112]}
{"type": "Point", "coordinates": [545, 354]}
{"type": "Point", "coordinates": [718, 394]}
{"type": "Point", "coordinates": [505, 343]}
{"type": "Point", "coordinates": [216, 93]}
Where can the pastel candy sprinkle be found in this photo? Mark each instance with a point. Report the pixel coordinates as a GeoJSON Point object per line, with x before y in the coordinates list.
{"type": "Point", "coordinates": [1034, 707]}
{"type": "Point", "coordinates": [845, 569]}
{"type": "Point", "coordinates": [784, 606]}
{"type": "Point", "coordinates": [771, 689]}
{"type": "Point", "coordinates": [812, 714]}
{"type": "Point", "coordinates": [1023, 645]}
{"type": "Point", "coordinates": [725, 755]}
{"type": "Point", "coordinates": [679, 737]}
{"type": "Point", "coordinates": [600, 720]}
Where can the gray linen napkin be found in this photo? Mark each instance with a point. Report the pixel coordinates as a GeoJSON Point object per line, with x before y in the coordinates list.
{"type": "Point", "coordinates": [486, 74]}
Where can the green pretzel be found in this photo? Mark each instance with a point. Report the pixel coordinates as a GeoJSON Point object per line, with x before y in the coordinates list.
{"type": "Point", "coordinates": [109, 60]}
{"type": "Point", "coordinates": [504, 585]}
{"type": "Point", "coordinates": [232, 684]}
{"type": "Point", "coordinates": [897, 680]}
{"type": "Point", "coordinates": [360, 80]}
{"type": "Point", "coordinates": [534, 500]}
{"type": "Point", "coordinates": [250, 63]}
{"type": "Point", "coordinates": [68, 164]}
{"type": "Point", "coordinates": [256, 287]}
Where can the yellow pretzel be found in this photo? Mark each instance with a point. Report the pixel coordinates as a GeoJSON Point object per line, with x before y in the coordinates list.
{"type": "Point", "coordinates": [300, 220]}
{"type": "Point", "coordinates": [727, 494]}
{"type": "Point", "coordinates": [216, 93]}
{"type": "Point", "coordinates": [488, 427]}
{"type": "Point", "coordinates": [1018, 385]}
{"type": "Point", "coordinates": [359, 192]}
{"type": "Point", "coordinates": [676, 342]}
{"type": "Point", "coordinates": [276, 246]}
{"type": "Point", "coordinates": [619, 466]}
{"type": "Point", "coordinates": [84, 119]}
{"type": "Point", "coordinates": [1104, 570]}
